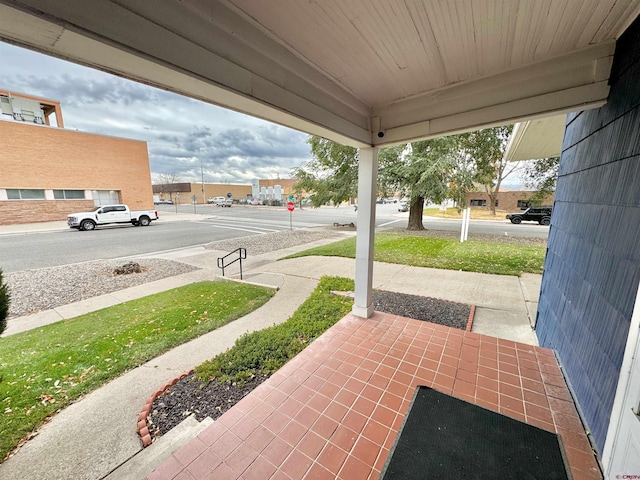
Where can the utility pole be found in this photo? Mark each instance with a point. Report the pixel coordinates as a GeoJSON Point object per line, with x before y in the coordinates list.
{"type": "Point", "coordinates": [202, 174]}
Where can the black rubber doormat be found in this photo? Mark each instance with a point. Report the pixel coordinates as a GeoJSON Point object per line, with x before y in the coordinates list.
{"type": "Point", "coordinates": [447, 438]}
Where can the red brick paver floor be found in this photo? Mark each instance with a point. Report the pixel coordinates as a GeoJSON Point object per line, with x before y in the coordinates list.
{"type": "Point", "coordinates": [335, 409]}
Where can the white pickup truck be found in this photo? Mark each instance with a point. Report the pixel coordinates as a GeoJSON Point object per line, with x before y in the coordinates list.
{"type": "Point", "coordinates": [107, 214]}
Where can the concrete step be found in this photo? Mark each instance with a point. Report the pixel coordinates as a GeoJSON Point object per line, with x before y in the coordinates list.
{"type": "Point", "coordinates": [145, 461]}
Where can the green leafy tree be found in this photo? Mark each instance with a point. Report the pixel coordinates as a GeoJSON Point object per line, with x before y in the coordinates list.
{"type": "Point", "coordinates": [426, 171]}
{"type": "Point", "coordinates": [541, 175]}
{"type": "Point", "coordinates": [486, 148]}
{"type": "Point", "coordinates": [331, 176]}
{"type": "Point", "coordinates": [422, 171]}
{"type": "Point", "coordinates": [4, 303]}
{"type": "Point", "coordinates": [462, 177]}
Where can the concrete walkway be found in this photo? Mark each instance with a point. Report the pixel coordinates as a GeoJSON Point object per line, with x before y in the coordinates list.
{"type": "Point", "coordinates": [505, 305]}
{"type": "Point", "coordinates": [95, 435]}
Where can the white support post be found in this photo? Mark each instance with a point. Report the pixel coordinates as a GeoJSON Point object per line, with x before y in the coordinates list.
{"type": "Point", "coordinates": [466, 225]}
{"type": "Point", "coordinates": [366, 217]}
{"type": "Point", "coordinates": [464, 230]}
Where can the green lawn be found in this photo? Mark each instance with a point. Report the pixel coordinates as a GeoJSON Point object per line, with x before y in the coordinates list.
{"type": "Point", "coordinates": [419, 251]}
{"type": "Point", "coordinates": [477, 213]}
{"type": "Point", "coordinates": [45, 369]}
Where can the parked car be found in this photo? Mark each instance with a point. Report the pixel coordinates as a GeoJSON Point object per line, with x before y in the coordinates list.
{"type": "Point", "coordinates": [220, 201]}
{"type": "Point", "coordinates": [163, 202]}
{"type": "Point", "coordinates": [107, 214]}
{"type": "Point", "coordinates": [542, 215]}
{"type": "Point", "coordinates": [403, 207]}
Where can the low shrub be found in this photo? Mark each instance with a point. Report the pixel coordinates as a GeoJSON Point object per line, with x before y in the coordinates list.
{"type": "Point", "coordinates": [265, 351]}
{"type": "Point", "coordinates": [5, 299]}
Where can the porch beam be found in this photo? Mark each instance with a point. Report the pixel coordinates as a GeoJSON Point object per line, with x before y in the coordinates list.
{"type": "Point", "coordinates": [571, 82]}
{"type": "Point", "coordinates": [367, 192]}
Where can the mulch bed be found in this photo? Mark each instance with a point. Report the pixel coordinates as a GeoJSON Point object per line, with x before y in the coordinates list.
{"type": "Point", "coordinates": [442, 312]}
{"type": "Point", "coordinates": [188, 396]}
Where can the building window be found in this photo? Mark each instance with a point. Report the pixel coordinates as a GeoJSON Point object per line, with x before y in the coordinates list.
{"type": "Point", "coordinates": [68, 194]}
{"type": "Point", "coordinates": [478, 203]}
{"type": "Point", "coordinates": [105, 197]}
{"type": "Point", "coordinates": [25, 194]}
{"type": "Point", "coordinates": [523, 204]}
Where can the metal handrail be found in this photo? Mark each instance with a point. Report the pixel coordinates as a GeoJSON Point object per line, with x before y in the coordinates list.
{"type": "Point", "coordinates": [242, 255]}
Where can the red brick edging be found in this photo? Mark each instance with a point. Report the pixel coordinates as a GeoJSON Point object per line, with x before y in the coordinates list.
{"type": "Point", "coordinates": [471, 315]}
{"type": "Point", "coordinates": [142, 428]}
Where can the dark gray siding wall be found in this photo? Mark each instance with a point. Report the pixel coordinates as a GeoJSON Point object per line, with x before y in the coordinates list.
{"type": "Point", "coordinates": [592, 267]}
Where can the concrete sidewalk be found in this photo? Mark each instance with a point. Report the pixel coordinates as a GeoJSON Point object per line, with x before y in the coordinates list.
{"type": "Point", "coordinates": [95, 435]}
{"type": "Point", "coordinates": [505, 305]}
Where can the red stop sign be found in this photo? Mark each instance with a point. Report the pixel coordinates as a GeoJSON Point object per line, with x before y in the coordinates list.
{"type": "Point", "coordinates": [290, 206]}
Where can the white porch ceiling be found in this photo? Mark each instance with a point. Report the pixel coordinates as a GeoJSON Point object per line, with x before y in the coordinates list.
{"type": "Point", "coordinates": [361, 72]}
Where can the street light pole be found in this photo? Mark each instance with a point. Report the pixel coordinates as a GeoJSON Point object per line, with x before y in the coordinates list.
{"type": "Point", "coordinates": [202, 174]}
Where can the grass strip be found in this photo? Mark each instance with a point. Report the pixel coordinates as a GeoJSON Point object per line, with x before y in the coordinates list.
{"type": "Point", "coordinates": [265, 351]}
{"type": "Point", "coordinates": [447, 254]}
{"type": "Point", "coordinates": [477, 213]}
{"type": "Point", "coordinates": [45, 369]}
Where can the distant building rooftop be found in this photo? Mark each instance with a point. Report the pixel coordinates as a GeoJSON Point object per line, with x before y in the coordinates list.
{"type": "Point", "coordinates": [30, 109]}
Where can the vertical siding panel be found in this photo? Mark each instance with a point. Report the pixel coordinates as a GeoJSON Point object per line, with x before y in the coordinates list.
{"type": "Point", "coordinates": [592, 269]}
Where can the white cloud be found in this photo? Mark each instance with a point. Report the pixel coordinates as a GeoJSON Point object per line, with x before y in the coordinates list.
{"type": "Point", "coordinates": [182, 134]}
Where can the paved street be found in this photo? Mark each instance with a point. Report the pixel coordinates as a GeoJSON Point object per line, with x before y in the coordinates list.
{"type": "Point", "coordinates": [23, 251]}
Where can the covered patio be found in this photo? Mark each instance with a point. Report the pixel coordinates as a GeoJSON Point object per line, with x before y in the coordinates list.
{"type": "Point", "coordinates": [335, 410]}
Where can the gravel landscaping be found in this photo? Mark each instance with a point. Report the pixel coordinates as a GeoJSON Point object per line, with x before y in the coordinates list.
{"type": "Point", "coordinates": [188, 397]}
{"type": "Point", "coordinates": [44, 288]}
{"type": "Point", "coordinates": [442, 312]}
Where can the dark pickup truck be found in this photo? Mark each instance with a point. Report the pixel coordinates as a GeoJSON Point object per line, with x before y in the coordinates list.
{"type": "Point", "coordinates": [542, 215]}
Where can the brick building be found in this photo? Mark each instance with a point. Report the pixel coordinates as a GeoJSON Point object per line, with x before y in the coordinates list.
{"type": "Point", "coordinates": [508, 200]}
{"type": "Point", "coordinates": [183, 192]}
{"type": "Point", "coordinates": [237, 191]}
{"type": "Point", "coordinates": [47, 172]}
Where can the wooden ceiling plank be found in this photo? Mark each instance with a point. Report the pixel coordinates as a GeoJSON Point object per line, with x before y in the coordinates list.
{"type": "Point", "coordinates": [434, 75]}
{"type": "Point", "coordinates": [552, 37]}
{"type": "Point", "coordinates": [620, 15]}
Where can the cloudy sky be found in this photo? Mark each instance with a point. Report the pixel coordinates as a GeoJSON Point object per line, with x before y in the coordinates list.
{"type": "Point", "coordinates": [182, 134]}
